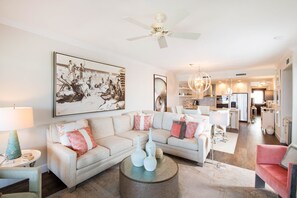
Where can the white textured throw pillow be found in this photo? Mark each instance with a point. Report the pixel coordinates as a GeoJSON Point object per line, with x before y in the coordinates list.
{"type": "Point", "coordinates": [290, 156]}
{"type": "Point", "coordinates": [69, 127]}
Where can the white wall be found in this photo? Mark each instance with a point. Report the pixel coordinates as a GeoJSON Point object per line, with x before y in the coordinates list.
{"type": "Point", "coordinates": [26, 79]}
{"type": "Point", "coordinates": [294, 116]}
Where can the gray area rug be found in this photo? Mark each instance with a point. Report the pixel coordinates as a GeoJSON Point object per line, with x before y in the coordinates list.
{"type": "Point", "coordinates": [208, 181]}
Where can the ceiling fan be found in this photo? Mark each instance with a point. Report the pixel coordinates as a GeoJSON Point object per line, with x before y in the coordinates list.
{"type": "Point", "coordinates": [160, 29]}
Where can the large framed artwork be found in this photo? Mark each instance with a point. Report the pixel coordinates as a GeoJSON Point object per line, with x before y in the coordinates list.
{"type": "Point", "coordinates": [160, 93]}
{"type": "Point", "coordinates": [84, 86]}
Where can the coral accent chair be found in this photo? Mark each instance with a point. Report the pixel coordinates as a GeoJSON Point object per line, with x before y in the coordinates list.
{"type": "Point", "coordinates": [268, 170]}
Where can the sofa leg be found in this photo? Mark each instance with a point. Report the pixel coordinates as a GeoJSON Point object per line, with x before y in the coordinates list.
{"type": "Point", "coordinates": [259, 183]}
{"type": "Point", "coordinates": [71, 189]}
{"type": "Point", "coordinates": [200, 164]}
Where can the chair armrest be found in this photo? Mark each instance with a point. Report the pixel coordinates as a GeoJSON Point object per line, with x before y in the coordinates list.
{"type": "Point", "coordinates": [62, 162]}
{"type": "Point", "coordinates": [270, 154]}
{"type": "Point", "coordinates": [33, 174]}
{"type": "Point", "coordinates": [292, 178]}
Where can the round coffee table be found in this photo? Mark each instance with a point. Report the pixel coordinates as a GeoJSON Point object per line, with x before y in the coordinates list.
{"type": "Point", "coordinates": [137, 182]}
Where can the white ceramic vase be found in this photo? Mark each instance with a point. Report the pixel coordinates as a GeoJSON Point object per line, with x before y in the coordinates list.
{"type": "Point", "coordinates": [139, 155]}
{"type": "Point", "coordinates": [151, 144]}
{"type": "Point", "coordinates": [150, 162]}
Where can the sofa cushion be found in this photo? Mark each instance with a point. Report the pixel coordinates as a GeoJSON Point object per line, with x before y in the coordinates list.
{"type": "Point", "coordinates": [178, 129]}
{"type": "Point", "coordinates": [121, 123]}
{"type": "Point", "coordinates": [132, 135]}
{"type": "Point", "coordinates": [92, 156]}
{"type": "Point", "coordinates": [131, 115]}
{"type": "Point", "coordinates": [102, 127]}
{"type": "Point", "coordinates": [53, 134]}
{"type": "Point", "coordinates": [158, 118]}
{"type": "Point", "coordinates": [191, 129]}
{"type": "Point", "coordinates": [191, 144]}
{"type": "Point", "coordinates": [168, 119]}
{"type": "Point", "coordinates": [203, 123]}
{"type": "Point", "coordinates": [64, 128]}
{"type": "Point", "coordinates": [115, 144]}
{"type": "Point", "coordinates": [142, 122]}
{"type": "Point", "coordinates": [160, 135]}
{"type": "Point", "coordinates": [81, 140]}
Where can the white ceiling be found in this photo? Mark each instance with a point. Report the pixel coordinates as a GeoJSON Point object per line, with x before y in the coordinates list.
{"type": "Point", "coordinates": [235, 34]}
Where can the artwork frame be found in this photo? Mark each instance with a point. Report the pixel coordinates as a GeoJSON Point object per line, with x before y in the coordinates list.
{"type": "Point", "coordinates": [81, 86]}
{"type": "Point", "coordinates": [160, 93]}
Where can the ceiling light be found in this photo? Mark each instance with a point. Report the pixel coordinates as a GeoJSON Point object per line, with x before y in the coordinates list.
{"type": "Point", "coordinates": [199, 82]}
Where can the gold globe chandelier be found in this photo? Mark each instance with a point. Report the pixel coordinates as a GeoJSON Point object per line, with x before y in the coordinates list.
{"type": "Point", "coordinates": [199, 82]}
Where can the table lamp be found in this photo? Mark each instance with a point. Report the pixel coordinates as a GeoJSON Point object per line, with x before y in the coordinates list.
{"type": "Point", "coordinates": [12, 119]}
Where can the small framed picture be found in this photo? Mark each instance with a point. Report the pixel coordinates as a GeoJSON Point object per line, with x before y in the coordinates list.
{"type": "Point", "coordinates": [160, 93]}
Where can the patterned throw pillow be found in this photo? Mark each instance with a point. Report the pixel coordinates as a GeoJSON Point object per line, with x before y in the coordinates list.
{"type": "Point", "coordinates": [178, 129]}
{"type": "Point", "coordinates": [191, 129]}
{"type": "Point", "coordinates": [142, 122]}
{"type": "Point", "coordinates": [81, 140]}
{"type": "Point", "coordinates": [64, 128]}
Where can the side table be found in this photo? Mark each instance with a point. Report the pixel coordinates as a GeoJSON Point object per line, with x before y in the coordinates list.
{"type": "Point", "coordinates": [21, 162]}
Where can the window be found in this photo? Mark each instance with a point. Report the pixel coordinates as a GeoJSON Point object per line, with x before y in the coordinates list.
{"type": "Point", "coordinates": [258, 96]}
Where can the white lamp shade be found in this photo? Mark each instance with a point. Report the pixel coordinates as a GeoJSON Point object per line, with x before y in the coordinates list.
{"type": "Point", "coordinates": [219, 117]}
{"type": "Point", "coordinates": [13, 118]}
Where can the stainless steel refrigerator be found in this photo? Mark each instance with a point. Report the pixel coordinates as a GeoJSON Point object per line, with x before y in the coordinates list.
{"type": "Point", "coordinates": [240, 102]}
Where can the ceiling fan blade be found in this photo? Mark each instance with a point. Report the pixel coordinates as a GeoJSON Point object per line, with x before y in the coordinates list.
{"type": "Point", "coordinates": [137, 37]}
{"type": "Point", "coordinates": [177, 18]}
{"type": "Point", "coordinates": [185, 35]}
{"type": "Point", "coordinates": [162, 42]}
{"type": "Point", "coordinates": [135, 22]}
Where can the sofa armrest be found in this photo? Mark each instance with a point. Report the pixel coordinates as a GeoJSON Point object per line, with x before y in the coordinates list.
{"type": "Point", "coordinates": [204, 144]}
{"type": "Point", "coordinates": [292, 178]}
{"type": "Point", "coordinates": [270, 154]}
{"type": "Point", "coordinates": [32, 173]}
{"type": "Point", "coordinates": [62, 162]}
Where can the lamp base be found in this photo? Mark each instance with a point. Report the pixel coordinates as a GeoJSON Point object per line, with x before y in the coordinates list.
{"type": "Point", "coordinates": [13, 149]}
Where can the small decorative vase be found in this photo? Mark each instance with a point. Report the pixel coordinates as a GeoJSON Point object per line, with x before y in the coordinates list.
{"type": "Point", "coordinates": [150, 162]}
{"type": "Point", "coordinates": [159, 153]}
{"type": "Point", "coordinates": [138, 156]}
{"type": "Point", "coordinates": [151, 144]}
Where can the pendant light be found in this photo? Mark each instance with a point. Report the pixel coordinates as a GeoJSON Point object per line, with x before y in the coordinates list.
{"type": "Point", "coordinates": [199, 82]}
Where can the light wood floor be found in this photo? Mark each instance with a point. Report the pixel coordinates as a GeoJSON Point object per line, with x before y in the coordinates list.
{"type": "Point", "coordinates": [245, 154]}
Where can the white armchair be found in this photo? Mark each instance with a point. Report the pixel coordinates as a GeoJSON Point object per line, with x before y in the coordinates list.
{"type": "Point", "coordinates": [34, 176]}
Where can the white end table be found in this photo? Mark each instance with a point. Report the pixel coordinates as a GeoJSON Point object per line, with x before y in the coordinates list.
{"type": "Point", "coordinates": [21, 162]}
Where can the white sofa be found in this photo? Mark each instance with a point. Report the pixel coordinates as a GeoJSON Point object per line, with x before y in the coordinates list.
{"type": "Point", "coordinates": [195, 149]}
{"type": "Point", "coordinates": [116, 140]}
{"type": "Point", "coordinates": [114, 144]}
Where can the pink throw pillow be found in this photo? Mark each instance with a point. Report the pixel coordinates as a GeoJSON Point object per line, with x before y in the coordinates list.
{"type": "Point", "coordinates": [178, 129]}
{"type": "Point", "coordinates": [191, 129]}
{"type": "Point", "coordinates": [81, 140]}
{"type": "Point", "coordinates": [142, 122]}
